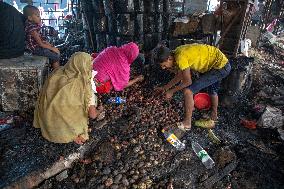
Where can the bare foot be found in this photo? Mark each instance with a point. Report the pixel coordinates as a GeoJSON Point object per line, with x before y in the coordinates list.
{"type": "Point", "coordinates": [214, 115]}
{"type": "Point", "coordinates": [186, 125]}
{"type": "Point", "coordinates": [79, 140]}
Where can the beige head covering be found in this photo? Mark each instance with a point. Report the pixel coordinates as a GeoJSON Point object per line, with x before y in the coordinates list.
{"type": "Point", "coordinates": [62, 108]}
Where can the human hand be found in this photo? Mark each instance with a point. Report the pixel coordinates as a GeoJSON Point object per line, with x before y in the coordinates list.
{"type": "Point", "coordinates": [140, 78]}
{"type": "Point", "coordinates": [47, 43]}
{"type": "Point", "coordinates": [54, 49]}
{"type": "Point", "coordinates": [97, 82]}
{"type": "Point", "coordinates": [100, 108]}
{"type": "Point", "coordinates": [159, 90]}
{"type": "Point", "coordinates": [169, 94]}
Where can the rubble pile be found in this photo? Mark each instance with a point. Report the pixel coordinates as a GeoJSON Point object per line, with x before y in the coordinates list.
{"type": "Point", "coordinates": [271, 77]}
{"type": "Point", "coordinates": [273, 44]}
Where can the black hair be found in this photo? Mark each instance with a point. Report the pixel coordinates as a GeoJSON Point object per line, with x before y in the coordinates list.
{"type": "Point", "coordinates": [29, 10]}
{"type": "Point", "coordinates": [161, 54]}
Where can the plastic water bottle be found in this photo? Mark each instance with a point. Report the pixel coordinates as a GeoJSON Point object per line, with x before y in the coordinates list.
{"type": "Point", "coordinates": [173, 139]}
{"type": "Point", "coordinates": [6, 123]}
{"type": "Point", "coordinates": [116, 100]}
{"type": "Point", "coordinates": [203, 155]}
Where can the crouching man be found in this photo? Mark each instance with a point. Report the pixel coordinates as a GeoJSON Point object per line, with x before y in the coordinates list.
{"type": "Point", "coordinates": [207, 60]}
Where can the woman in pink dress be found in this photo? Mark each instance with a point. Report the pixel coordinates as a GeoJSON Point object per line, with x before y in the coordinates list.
{"type": "Point", "coordinates": [113, 68]}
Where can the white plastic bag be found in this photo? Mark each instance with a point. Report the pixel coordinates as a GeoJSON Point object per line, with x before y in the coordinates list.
{"type": "Point", "coordinates": [271, 118]}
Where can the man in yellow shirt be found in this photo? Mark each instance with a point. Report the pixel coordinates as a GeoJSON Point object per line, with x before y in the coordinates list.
{"type": "Point", "coordinates": [205, 59]}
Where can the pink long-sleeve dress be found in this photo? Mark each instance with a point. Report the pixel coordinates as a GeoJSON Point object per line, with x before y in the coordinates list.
{"type": "Point", "coordinates": [113, 65]}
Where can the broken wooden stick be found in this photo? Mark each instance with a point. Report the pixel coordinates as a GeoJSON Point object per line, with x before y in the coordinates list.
{"type": "Point", "coordinates": [35, 178]}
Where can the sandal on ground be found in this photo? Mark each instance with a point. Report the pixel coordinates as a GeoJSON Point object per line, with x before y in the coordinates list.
{"type": "Point", "coordinates": [181, 127]}
{"type": "Point", "coordinates": [205, 123]}
{"type": "Point", "coordinates": [79, 140]}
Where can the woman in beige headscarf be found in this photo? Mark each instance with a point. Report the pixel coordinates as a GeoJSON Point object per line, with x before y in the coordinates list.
{"type": "Point", "coordinates": [66, 101]}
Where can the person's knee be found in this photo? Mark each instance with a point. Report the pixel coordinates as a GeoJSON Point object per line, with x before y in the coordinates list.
{"type": "Point", "coordinates": [187, 92]}
{"type": "Point", "coordinates": [213, 94]}
{"type": "Point", "coordinates": [227, 70]}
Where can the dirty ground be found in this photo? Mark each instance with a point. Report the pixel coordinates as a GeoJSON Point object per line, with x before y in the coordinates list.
{"type": "Point", "coordinates": [130, 151]}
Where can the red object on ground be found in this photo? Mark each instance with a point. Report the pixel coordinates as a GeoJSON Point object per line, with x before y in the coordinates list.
{"type": "Point", "coordinates": [202, 101]}
{"type": "Point", "coordinates": [248, 124]}
{"type": "Point", "coordinates": [104, 88]}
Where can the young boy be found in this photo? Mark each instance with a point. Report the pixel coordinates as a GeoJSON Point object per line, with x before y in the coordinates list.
{"type": "Point", "coordinates": [209, 61]}
{"type": "Point", "coordinates": [34, 40]}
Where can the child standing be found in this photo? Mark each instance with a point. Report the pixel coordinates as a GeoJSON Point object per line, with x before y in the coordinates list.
{"type": "Point", "coordinates": [209, 61]}
{"type": "Point", "coordinates": [34, 40]}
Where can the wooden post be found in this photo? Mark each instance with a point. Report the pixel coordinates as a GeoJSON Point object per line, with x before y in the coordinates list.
{"type": "Point", "coordinates": [234, 29]}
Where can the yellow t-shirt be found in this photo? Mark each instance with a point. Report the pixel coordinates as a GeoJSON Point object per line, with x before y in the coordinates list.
{"type": "Point", "coordinates": [199, 57]}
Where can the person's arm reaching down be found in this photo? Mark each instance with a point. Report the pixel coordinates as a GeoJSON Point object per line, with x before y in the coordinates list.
{"type": "Point", "coordinates": [185, 82]}
{"type": "Point", "coordinates": [170, 84]}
